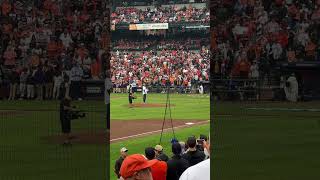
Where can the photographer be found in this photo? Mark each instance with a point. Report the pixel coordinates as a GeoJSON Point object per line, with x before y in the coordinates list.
{"type": "Point", "coordinates": [65, 119]}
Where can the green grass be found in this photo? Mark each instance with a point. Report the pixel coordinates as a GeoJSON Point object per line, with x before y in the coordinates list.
{"type": "Point", "coordinates": [24, 155]}
{"type": "Point", "coordinates": [182, 106]}
{"type": "Point", "coordinates": [264, 145]}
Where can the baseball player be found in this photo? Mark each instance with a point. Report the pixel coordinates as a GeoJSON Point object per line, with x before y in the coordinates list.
{"type": "Point", "coordinates": [130, 93]}
{"type": "Point", "coordinates": [144, 93]}
{"type": "Point", "coordinates": [108, 89]}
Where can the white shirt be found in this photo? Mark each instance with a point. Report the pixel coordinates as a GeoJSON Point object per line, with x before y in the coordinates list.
{"type": "Point", "coordinates": [144, 90]}
{"type": "Point", "coordinates": [197, 172]}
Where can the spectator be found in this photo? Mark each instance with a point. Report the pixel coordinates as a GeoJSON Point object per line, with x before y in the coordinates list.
{"type": "Point", "coordinates": [160, 154]}
{"type": "Point", "coordinates": [176, 165]}
{"type": "Point", "coordinates": [76, 77]}
{"type": "Point", "coordinates": [48, 81]}
{"type": "Point", "coordinates": [136, 167]}
{"type": "Point", "coordinates": [14, 81]}
{"type": "Point", "coordinates": [200, 170]}
{"type": "Point", "coordinates": [23, 83]}
{"type": "Point", "coordinates": [123, 155]}
{"type": "Point", "coordinates": [30, 84]}
{"type": "Point", "coordinates": [159, 169]}
{"type": "Point", "coordinates": [39, 78]}
{"type": "Point", "coordinates": [193, 155]}
{"type": "Point", "coordinates": [57, 81]}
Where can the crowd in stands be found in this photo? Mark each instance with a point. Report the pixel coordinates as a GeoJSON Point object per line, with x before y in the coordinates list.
{"type": "Point", "coordinates": [189, 161]}
{"type": "Point", "coordinates": [249, 38]}
{"type": "Point", "coordinates": [44, 42]}
{"type": "Point", "coordinates": [181, 68]}
{"type": "Point", "coordinates": [186, 44]}
{"type": "Point", "coordinates": [160, 15]}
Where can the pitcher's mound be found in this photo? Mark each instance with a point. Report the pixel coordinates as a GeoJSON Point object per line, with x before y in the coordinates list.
{"type": "Point", "coordinates": [147, 105]}
{"type": "Point", "coordinates": [81, 138]}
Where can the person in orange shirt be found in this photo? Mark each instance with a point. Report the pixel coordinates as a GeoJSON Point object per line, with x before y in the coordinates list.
{"type": "Point", "coordinates": [10, 56]}
{"type": "Point", "coordinates": [52, 49]}
{"type": "Point", "coordinates": [291, 55]}
{"type": "Point", "coordinates": [82, 51]}
{"type": "Point", "coordinates": [6, 7]}
{"type": "Point", "coordinates": [159, 169]}
{"type": "Point", "coordinates": [310, 51]}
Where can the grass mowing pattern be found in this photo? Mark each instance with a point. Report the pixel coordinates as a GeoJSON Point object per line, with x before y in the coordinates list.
{"type": "Point", "coordinates": [266, 145]}
{"type": "Point", "coordinates": [24, 155]}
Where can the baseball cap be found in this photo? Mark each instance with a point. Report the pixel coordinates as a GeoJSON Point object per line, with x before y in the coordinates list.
{"type": "Point", "coordinates": [158, 148]}
{"type": "Point", "coordinates": [123, 149]}
{"type": "Point", "coordinates": [149, 152]}
{"type": "Point", "coordinates": [135, 163]}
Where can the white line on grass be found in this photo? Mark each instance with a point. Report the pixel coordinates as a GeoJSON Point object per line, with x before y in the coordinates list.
{"type": "Point", "coordinates": [153, 132]}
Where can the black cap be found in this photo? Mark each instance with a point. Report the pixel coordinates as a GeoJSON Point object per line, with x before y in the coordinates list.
{"type": "Point", "coordinates": [191, 142]}
{"type": "Point", "coordinates": [150, 153]}
{"type": "Point", "coordinates": [176, 148]}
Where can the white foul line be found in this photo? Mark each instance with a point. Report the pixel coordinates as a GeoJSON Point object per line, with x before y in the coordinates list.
{"type": "Point", "coordinates": [152, 132]}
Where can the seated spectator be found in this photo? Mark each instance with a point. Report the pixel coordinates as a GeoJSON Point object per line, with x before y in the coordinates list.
{"type": "Point", "coordinates": [176, 165]}
{"type": "Point", "coordinates": [193, 155]}
{"type": "Point", "coordinates": [159, 169]}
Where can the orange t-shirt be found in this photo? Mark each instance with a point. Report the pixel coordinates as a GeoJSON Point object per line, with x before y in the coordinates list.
{"type": "Point", "coordinates": [310, 49]}
{"type": "Point", "coordinates": [6, 8]}
{"type": "Point", "coordinates": [52, 49]}
{"type": "Point", "coordinates": [159, 170]}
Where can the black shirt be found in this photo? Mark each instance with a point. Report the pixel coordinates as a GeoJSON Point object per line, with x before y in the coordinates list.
{"type": "Point", "coordinates": [118, 166]}
{"type": "Point", "coordinates": [194, 157]}
{"type": "Point", "coordinates": [176, 166]}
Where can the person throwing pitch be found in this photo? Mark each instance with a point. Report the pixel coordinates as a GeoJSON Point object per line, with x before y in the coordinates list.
{"type": "Point", "coordinates": [144, 93]}
{"type": "Point", "coordinates": [130, 94]}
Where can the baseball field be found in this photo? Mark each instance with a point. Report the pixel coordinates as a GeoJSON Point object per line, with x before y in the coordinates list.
{"type": "Point", "coordinates": [252, 140]}
{"type": "Point", "coordinates": [140, 126]}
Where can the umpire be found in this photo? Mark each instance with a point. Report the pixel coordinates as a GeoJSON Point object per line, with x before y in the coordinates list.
{"type": "Point", "coordinates": [65, 119]}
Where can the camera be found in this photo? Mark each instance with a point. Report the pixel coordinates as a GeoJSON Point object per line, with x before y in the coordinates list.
{"type": "Point", "coordinates": [76, 114]}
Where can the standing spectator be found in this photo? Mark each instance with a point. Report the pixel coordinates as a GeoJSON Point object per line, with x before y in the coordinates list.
{"type": "Point", "coordinates": [160, 154]}
{"type": "Point", "coordinates": [23, 83]}
{"type": "Point", "coordinates": [76, 77]}
{"type": "Point", "coordinates": [39, 78]}
{"type": "Point", "coordinates": [57, 82]}
{"type": "Point", "coordinates": [108, 90]}
{"type": "Point", "coordinates": [198, 171]}
{"type": "Point", "coordinates": [10, 57]}
{"type": "Point", "coordinates": [159, 169]}
{"type": "Point", "coordinates": [49, 81]}
{"type": "Point", "coordinates": [65, 87]}
{"type": "Point", "coordinates": [123, 155]}
{"type": "Point", "coordinates": [177, 165]}
{"type": "Point", "coordinates": [30, 84]}
{"type": "Point", "coordinates": [136, 167]}
{"type": "Point", "coordinates": [193, 155]}
{"type": "Point", "coordinates": [14, 81]}
{"type": "Point", "coordinates": [144, 93]}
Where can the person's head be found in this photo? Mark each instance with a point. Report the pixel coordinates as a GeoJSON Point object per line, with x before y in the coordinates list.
{"type": "Point", "coordinates": [204, 137]}
{"type": "Point", "coordinates": [124, 152]}
{"type": "Point", "coordinates": [158, 149]}
{"type": "Point", "coordinates": [176, 148]}
{"type": "Point", "coordinates": [150, 153]}
{"type": "Point", "coordinates": [136, 167]}
{"type": "Point", "coordinates": [191, 142]}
